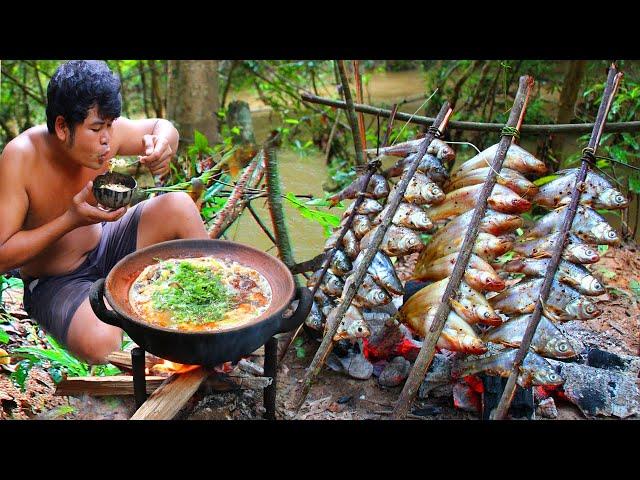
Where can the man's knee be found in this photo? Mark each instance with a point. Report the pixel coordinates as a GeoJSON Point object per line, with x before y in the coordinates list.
{"type": "Point", "coordinates": [92, 340]}
{"type": "Point", "coordinates": [174, 202]}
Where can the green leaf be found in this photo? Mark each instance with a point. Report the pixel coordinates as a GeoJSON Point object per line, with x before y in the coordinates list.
{"type": "Point", "coordinates": [326, 220]}
{"type": "Point", "coordinates": [606, 273]}
{"type": "Point", "coordinates": [19, 377]}
{"type": "Point", "coordinates": [62, 411]}
{"type": "Point", "coordinates": [520, 232]}
{"type": "Point", "coordinates": [292, 121]}
{"type": "Point", "coordinates": [634, 285]}
{"type": "Point", "coordinates": [634, 184]}
{"type": "Point", "coordinates": [200, 141]}
{"type": "Point", "coordinates": [542, 180]}
{"type": "Point", "coordinates": [4, 337]}
{"type": "Point", "coordinates": [56, 374]}
{"type": "Point", "coordinates": [506, 257]}
{"type": "Point", "coordinates": [602, 249]}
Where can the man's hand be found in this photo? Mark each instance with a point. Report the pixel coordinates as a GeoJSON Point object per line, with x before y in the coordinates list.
{"type": "Point", "coordinates": [158, 154]}
{"type": "Point", "coordinates": [82, 213]}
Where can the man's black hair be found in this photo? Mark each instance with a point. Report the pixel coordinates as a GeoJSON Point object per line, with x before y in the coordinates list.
{"type": "Point", "coordinates": [76, 87]}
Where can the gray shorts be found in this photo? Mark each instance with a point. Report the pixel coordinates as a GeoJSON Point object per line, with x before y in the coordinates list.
{"type": "Point", "coordinates": [52, 301]}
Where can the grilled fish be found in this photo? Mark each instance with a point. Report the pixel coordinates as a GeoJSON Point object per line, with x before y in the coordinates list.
{"type": "Point", "coordinates": [588, 224]}
{"type": "Point", "coordinates": [367, 207]}
{"type": "Point", "coordinates": [361, 225]}
{"type": "Point", "coordinates": [574, 275]}
{"type": "Point", "coordinates": [316, 319]}
{"type": "Point", "coordinates": [464, 199]}
{"type": "Point", "coordinates": [564, 303]}
{"type": "Point", "coordinates": [471, 305]}
{"type": "Point", "coordinates": [457, 335]}
{"type": "Point", "coordinates": [370, 294]}
{"type": "Point", "coordinates": [440, 149]}
{"type": "Point", "coordinates": [495, 223]}
{"type": "Point", "coordinates": [487, 246]}
{"type": "Point", "coordinates": [397, 241]}
{"type": "Point", "coordinates": [408, 215]}
{"type": "Point", "coordinates": [575, 251]}
{"type": "Point", "coordinates": [422, 191]}
{"type": "Point", "coordinates": [378, 187]}
{"type": "Point", "coordinates": [478, 274]}
{"type": "Point", "coordinates": [383, 272]}
{"type": "Point", "coordinates": [340, 264]}
{"type": "Point", "coordinates": [332, 285]}
{"type": "Point", "coordinates": [507, 178]}
{"type": "Point", "coordinates": [429, 165]}
{"type": "Point", "coordinates": [351, 244]}
{"type": "Point", "coordinates": [517, 159]}
{"type": "Point", "coordinates": [352, 325]}
{"type": "Point", "coordinates": [597, 192]}
{"type": "Point", "coordinates": [548, 340]}
{"type": "Point", "coordinates": [534, 370]}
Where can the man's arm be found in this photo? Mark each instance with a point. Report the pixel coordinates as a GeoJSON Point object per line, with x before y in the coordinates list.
{"type": "Point", "coordinates": [154, 139]}
{"type": "Point", "coordinates": [18, 246]}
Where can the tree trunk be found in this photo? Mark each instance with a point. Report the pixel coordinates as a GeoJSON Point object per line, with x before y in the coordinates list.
{"type": "Point", "coordinates": [568, 97]}
{"type": "Point", "coordinates": [156, 94]}
{"type": "Point", "coordinates": [192, 98]}
{"type": "Point", "coordinates": [143, 86]}
{"type": "Point", "coordinates": [123, 89]}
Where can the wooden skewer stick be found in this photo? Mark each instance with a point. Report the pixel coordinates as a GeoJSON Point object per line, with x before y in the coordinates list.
{"type": "Point", "coordinates": [613, 81]}
{"type": "Point", "coordinates": [355, 280]}
{"type": "Point", "coordinates": [475, 126]}
{"type": "Point", "coordinates": [427, 351]}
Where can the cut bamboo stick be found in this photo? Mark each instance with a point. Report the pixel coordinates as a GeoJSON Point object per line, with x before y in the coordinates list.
{"type": "Point", "coordinates": [101, 386]}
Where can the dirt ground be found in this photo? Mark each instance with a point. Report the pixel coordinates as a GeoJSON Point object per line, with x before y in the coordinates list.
{"type": "Point", "coordinates": [334, 396]}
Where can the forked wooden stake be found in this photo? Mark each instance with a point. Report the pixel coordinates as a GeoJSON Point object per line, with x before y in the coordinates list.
{"type": "Point", "coordinates": [427, 351]}
{"type": "Point", "coordinates": [613, 81]}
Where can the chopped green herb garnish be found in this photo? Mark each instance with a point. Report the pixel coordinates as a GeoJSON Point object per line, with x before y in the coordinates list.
{"type": "Point", "coordinates": [193, 294]}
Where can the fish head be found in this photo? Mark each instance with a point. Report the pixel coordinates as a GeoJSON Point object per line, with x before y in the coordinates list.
{"type": "Point", "coordinates": [559, 347]}
{"type": "Point", "coordinates": [501, 245]}
{"type": "Point", "coordinates": [410, 243]}
{"type": "Point", "coordinates": [520, 204]}
{"type": "Point", "coordinates": [491, 282]}
{"type": "Point", "coordinates": [605, 233]}
{"type": "Point", "coordinates": [433, 193]}
{"type": "Point", "coordinates": [381, 189]}
{"type": "Point", "coordinates": [421, 220]}
{"type": "Point", "coordinates": [582, 308]}
{"type": "Point", "coordinates": [592, 285]}
{"type": "Point", "coordinates": [546, 376]}
{"type": "Point", "coordinates": [583, 253]}
{"type": "Point", "coordinates": [441, 150]}
{"type": "Point", "coordinates": [612, 198]}
{"type": "Point", "coordinates": [486, 315]}
{"type": "Point", "coordinates": [352, 330]}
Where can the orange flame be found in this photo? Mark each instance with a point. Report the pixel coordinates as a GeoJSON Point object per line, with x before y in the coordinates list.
{"type": "Point", "coordinates": [171, 367]}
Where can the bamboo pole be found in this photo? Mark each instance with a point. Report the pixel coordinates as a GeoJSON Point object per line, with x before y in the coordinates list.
{"type": "Point", "coordinates": [354, 281]}
{"type": "Point", "coordinates": [237, 200]}
{"type": "Point", "coordinates": [427, 351]}
{"type": "Point", "coordinates": [351, 113]}
{"type": "Point", "coordinates": [276, 210]}
{"type": "Point", "coordinates": [358, 78]}
{"type": "Point", "coordinates": [613, 81]}
{"type": "Point", "coordinates": [476, 126]}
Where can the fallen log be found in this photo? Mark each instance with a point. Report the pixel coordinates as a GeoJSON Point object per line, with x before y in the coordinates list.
{"type": "Point", "coordinates": [101, 386]}
{"type": "Point", "coordinates": [476, 126]}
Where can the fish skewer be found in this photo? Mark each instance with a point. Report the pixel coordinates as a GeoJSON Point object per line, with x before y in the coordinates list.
{"type": "Point", "coordinates": [517, 159]}
{"type": "Point", "coordinates": [438, 148]}
{"type": "Point", "coordinates": [576, 251]}
{"type": "Point", "coordinates": [587, 224]}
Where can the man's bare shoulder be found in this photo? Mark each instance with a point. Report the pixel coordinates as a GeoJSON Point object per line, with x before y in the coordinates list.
{"type": "Point", "coordinates": [21, 151]}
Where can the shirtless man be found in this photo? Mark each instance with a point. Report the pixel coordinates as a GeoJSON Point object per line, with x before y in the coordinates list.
{"type": "Point", "coordinates": [50, 225]}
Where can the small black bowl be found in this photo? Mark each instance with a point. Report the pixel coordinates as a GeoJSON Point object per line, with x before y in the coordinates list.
{"type": "Point", "coordinates": [111, 198]}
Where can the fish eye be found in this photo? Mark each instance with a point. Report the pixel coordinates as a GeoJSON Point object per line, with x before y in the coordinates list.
{"type": "Point", "coordinates": [611, 234]}
{"type": "Point", "coordinates": [619, 199]}
{"type": "Point", "coordinates": [563, 347]}
{"type": "Point", "coordinates": [359, 329]}
{"type": "Point", "coordinates": [553, 377]}
{"type": "Point", "coordinates": [487, 315]}
{"type": "Point", "coordinates": [590, 308]}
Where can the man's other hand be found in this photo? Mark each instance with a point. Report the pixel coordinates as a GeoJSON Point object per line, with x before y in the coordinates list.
{"type": "Point", "coordinates": [82, 213]}
{"type": "Point", "coordinates": [158, 154]}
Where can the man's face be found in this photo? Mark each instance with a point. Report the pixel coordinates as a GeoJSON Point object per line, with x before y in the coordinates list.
{"type": "Point", "coordinates": [90, 145]}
